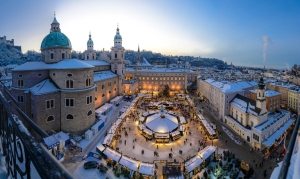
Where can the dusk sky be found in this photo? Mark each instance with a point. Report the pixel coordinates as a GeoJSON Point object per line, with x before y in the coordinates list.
{"type": "Point", "coordinates": [244, 32]}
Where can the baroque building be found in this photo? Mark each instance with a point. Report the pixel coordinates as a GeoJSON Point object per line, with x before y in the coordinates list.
{"type": "Point", "coordinates": [60, 93]}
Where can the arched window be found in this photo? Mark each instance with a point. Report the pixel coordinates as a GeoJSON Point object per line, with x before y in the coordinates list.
{"type": "Point", "coordinates": [63, 56]}
{"type": "Point", "coordinates": [87, 56]}
{"type": "Point", "coordinates": [115, 55]}
{"type": "Point", "coordinates": [70, 116]}
{"type": "Point", "coordinates": [51, 56]}
{"type": "Point", "coordinates": [88, 82]}
{"type": "Point", "coordinates": [89, 113]}
{"type": "Point", "coordinates": [50, 118]}
{"type": "Point", "coordinates": [69, 84]}
{"type": "Point", "coordinates": [258, 94]}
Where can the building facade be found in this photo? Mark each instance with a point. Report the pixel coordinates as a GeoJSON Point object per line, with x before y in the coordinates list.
{"type": "Point", "coordinates": [61, 94]}
{"type": "Point", "coordinates": [272, 99]}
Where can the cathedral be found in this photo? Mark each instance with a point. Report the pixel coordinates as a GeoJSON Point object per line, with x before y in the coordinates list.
{"type": "Point", "coordinates": [60, 93]}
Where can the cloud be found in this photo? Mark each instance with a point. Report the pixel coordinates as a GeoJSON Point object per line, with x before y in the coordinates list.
{"type": "Point", "coordinates": [266, 40]}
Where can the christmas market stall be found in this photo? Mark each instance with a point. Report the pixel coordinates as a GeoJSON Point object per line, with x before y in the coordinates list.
{"type": "Point", "coordinates": [129, 164]}
{"type": "Point", "coordinates": [148, 134]}
{"type": "Point", "coordinates": [193, 166]}
{"type": "Point", "coordinates": [147, 170]}
{"type": "Point", "coordinates": [175, 135]}
{"type": "Point", "coordinates": [161, 138]}
{"type": "Point", "coordinates": [206, 154]}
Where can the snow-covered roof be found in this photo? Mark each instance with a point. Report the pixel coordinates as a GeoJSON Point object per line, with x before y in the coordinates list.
{"type": "Point", "coordinates": [129, 163]}
{"type": "Point", "coordinates": [245, 104]}
{"type": "Point", "coordinates": [272, 119]}
{"type": "Point", "coordinates": [103, 75]}
{"type": "Point", "coordinates": [64, 64]}
{"type": "Point", "coordinates": [271, 139]}
{"type": "Point", "coordinates": [162, 125]}
{"type": "Point", "coordinates": [114, 155]}
{"type": "Point", "coordinates": [206, 152]}
{"type": "Point", "coordinates": [268, 93]}
{"type": "Point", "coordinates": [96, 62]}
{"type": "Point", "coordinates": [156, 70]}
{"type": "Point", "coordinates": [147, 168]}
{"type": "Point", "coordinates": [230, 87]}
{"type": "Point", "coordinates": [143, 62]}
{"type": "Point", "coordinates": [44, 87]}
{"type": "Point", "coordinates": [192, 163]}
{"type": "Point", "coordinates": [103, 108]}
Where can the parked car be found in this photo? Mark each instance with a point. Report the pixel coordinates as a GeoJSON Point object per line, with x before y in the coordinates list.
{"type": "Point", "coordinates": [102, 168]}
{"type": "Point", "coordinates": [90, 165]}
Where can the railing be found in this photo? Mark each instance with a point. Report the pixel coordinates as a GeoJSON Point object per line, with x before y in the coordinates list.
{"type": "Point", "coordinates": [287, 159]}
{"type": "Point", "coordinates": [25, 157]}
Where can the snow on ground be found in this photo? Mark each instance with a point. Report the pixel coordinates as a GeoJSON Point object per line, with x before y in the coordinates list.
{"type": "Point", "coordinates": [231, 135]}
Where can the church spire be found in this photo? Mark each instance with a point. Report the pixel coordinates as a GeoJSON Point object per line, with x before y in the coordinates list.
{"type": "Point", "coordinates": [138, 60]}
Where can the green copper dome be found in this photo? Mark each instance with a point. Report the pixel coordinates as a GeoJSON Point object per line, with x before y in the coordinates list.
{"type": "Point", "coordinates": [118, 36]}
{"type": "Point", "coordinates": [56, 39]}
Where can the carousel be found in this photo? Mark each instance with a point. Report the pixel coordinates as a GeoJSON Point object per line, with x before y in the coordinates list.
{"type": "Point", "coordinates": [161, 126]}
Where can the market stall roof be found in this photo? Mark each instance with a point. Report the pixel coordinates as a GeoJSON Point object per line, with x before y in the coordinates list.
{"type": "Point", "coordinates": [182, 120]}
{"type": "Point", "coordinates": [208, 127]}
{"type": "Point", "coordinates": [103, 108]}
{"type": "Point", "coordinates": [148, 113]}
{"type": "Point", "coordinates": [147, 168]}
{"type": "Point", "coordinates": [107, 139]}
{"type": "Point", "coordinates": [157, 135]}
{"type": "Point", "coordinates": [141, 119]}
{"type": "Point", "coordinates": [201, 116]}
{"type": "Point", "coordinates": [50, 142]}
{"type": "Point", "coordinates": [191, 164]}
{"type": "Point", "coordinates": [271, 139]}
{"type": "Point", "coordinates": [114, 155]}
{"type": "Point", "coordinates": [175, 133]}
{"type": "Point", "coordinates": [118, 122]}
{"type": "Point", "coordinates": [129, 163]}
{"type": "Point", "coordinates": [100, 147]}
{"type": "Point", "coordinates": [182, 128]}
{"type": "Point", "coordinates": [147, 131]}
{"type": "Point", "coordinates": [206, 152]}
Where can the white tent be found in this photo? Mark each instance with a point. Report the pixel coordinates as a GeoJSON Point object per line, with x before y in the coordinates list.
{"type": "Point", "coordinates": [147, 168]}
{"type": "Point", "coordinates": [112, 154]}
{"type": "Point", "coordinates": [129, 163]}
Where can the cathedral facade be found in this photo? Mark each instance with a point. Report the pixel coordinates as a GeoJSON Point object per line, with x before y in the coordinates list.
{"type": "Point", "coordinates": [61, 94]}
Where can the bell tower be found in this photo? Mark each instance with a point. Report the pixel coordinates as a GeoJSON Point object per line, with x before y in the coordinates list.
{"type": "Point", "coordinates": [260, 96]}
{"type": "Point", "coordinates": [117, 61]}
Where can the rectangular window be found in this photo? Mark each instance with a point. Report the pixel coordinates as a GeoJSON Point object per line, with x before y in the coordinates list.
{"type": "Point", "coordinates": [20, 98]}
{"type": "Point", "coordinates": [49, 104]}
{"type": "Point", "coordinates": [63, 56]}
{"type": "Point", "coordinates": [102, 86]}
{"type": "Point", "coordinates": [115, 81]}
{"type": "Point", "coordinates": [20, 83]}
{"type": "Point", "coordinates": [51, 56]}
{"type": "Point", "coordinates": [89, 99]}
{"type": "Point", "coordinates": [32, 102]}
{"type": "Point", "coordinates": [70, 102]}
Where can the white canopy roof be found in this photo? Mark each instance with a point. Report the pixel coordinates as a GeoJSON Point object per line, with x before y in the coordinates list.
{"type": "Point", "coordinates": [147, 131]}
{"type": "Point", "coordinates": [193, 163]}
{"type": "Point", "coordinates": [206, 152]}
{"type": "Point", "coordinates": [107, 139]}
{"type": "Point", "coordinates": [114, 155]}
{"type": "Point", "coordinates": [147, 168]}
{"type": "Point", "coordinates": [129, 163]}
{"type": "Point", "coordinates": [103, 108]}
{"type": "Point", "coordinates": [182, 120]}
{"type": "Point", "coordinates": [161, 125]}
{"type": "Point", "coordinates": [161, 135]}
{"type": "Point", "coordinates": [175, 133]}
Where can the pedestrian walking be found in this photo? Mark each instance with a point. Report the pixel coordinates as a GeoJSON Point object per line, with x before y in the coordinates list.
{"type": "Point", "coordinates": [125, 142]}
{"type": "Point", "coordinates": [157, 146]}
